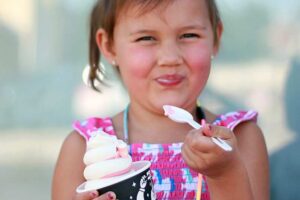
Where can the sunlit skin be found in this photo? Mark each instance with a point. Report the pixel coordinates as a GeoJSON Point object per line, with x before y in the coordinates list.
{"type": "Point", "coordinates": [164, 57]}
{"type": "Point", "coordinates": [168, 53]}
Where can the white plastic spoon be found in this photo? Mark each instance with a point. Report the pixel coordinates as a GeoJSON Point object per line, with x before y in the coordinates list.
{"type": "Point", "coordinates": [182, 116]}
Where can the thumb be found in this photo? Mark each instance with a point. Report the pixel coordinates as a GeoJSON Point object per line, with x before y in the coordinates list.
{"type": "Point", "coordinates": [206, 128]}
{"type": "Point", "coordinates": [86, 195]}
{"type": "Point", "coordinates": [108, 196]}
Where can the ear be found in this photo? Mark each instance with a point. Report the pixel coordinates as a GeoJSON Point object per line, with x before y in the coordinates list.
{"type": "Point", "coordinates": [219, 36]}
{"type": "Point", "coordinates": [104, 45]}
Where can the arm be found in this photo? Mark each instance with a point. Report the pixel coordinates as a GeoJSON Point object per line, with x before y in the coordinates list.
{"type": "Point", "coordinates": [250, 177]}
{"type": "Point", "coordinates": [254, 154]}
{"type": "Point", "coordinates": [69, 168]}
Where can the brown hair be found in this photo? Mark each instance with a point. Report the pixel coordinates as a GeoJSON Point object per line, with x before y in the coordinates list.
{"type": "Point", "coordinates": [105, 14]}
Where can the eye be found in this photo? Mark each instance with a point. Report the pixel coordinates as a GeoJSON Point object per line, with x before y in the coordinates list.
{"type": "Point", "coordinates": [189, 35]}
{"type": "Point", "coordinates": [145, 38]}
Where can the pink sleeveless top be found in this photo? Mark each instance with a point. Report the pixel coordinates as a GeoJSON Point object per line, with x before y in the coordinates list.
{"type": "Point", "coordinates": [172, 178]}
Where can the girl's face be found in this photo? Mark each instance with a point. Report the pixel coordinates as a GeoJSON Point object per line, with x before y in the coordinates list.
{"type": "Point", "coordinates": [164, 55]}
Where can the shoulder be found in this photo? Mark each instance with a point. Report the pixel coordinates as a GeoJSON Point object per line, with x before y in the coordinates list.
{"type": "Point", "coordinates": [244, 125]}
{"type": "Point", "coordinates": [249, 134]}
{"type": "Point", "coordinates": [73, 141]}
{"type": "Point", "coordinates": [73, 149]}
{"type": "Point", "coordinates": [248, 127]}
{"type": "Point", "coordinates": [232, 119]}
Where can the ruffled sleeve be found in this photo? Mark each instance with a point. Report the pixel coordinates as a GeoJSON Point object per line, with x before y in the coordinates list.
{"type": "Point", "coordinates": [232, 119]}
{"type": "Point", "coordinates": [87, 127]}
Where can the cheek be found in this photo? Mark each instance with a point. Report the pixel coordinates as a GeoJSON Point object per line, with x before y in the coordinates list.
{"type": "Point", "coordinates": [199, 59]}
{"type": "Point", "coordinates": [137, 61]}
{"type": "Point", "coordinates": [199, 62]}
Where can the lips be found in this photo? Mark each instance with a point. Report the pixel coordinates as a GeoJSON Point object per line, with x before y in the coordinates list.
{"type": "Point", "coordinates": [170, 79]}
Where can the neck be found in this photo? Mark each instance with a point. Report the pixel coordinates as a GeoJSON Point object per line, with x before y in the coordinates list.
{"type": "Point", "coordinates": [153, 127]}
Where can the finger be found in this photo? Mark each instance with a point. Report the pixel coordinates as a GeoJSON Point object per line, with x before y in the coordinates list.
{"type": "Point", "coordinates": [207, 131]}
{"type": "Point", "coordinates": [199, 161]}
{"type": "Point", "coordinates": [204, 148]}
{"type": "Point", "coordinates": [196, 147]}
{"type": "Point", "coordinates": [206, 128]}
{"type": "Point", "coordinates": [221, 131]}
{"type": "Point", "coordinates": [86, 195]}
{"type": "Point", "coordinates": [188, 157]}
{"type": "Point", "coordinates": [223, 137]}
{"type": "Point", "coordinates": [197, 142]}
{"type": "Point", "coordinates": [107, 196]}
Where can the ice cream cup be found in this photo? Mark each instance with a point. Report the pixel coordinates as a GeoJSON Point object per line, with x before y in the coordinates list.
{"type": "Point", "coordinates": [134, 185]}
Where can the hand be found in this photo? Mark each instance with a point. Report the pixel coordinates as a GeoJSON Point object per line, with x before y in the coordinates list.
{"type": "Point", "coordinates": [93, 195]}
{"type": "Point", "coordinates": [204, 156]}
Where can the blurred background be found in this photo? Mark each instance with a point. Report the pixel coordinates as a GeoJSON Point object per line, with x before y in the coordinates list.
{"type": "Point", "coordinates": [43, 50]}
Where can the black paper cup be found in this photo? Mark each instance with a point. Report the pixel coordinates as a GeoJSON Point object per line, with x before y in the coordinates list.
{"type": "Point", "coordinates": [134, 185]}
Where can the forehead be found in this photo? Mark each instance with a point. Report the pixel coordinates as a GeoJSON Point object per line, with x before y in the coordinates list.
{"type": "Point", "coordinates": [160, 8]}
{"type": "Point", "coordinates": [140, 7]}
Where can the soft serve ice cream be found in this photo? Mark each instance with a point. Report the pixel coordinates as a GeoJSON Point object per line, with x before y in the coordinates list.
{"type": "Point", "coordinates": [106, 158]}
{"type": "Point", "coordinates": [110, 168]}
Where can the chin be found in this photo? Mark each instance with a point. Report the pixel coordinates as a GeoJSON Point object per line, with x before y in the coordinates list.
{"type": "Point", "coordinates": [172, 102]}
{"type": "Point", "coordinates": [176, 101]}
{"type": "Point", "coordinates": [167, 98]}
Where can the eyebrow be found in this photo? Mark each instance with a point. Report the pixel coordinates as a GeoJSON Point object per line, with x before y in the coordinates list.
{"type": "Point", "coordinates": [201, 27]}
{"type": "Point", "coordinates": [143, 31]}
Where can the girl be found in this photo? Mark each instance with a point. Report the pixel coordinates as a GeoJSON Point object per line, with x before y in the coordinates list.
{"type": "Point", "coordinates": [163, 52]}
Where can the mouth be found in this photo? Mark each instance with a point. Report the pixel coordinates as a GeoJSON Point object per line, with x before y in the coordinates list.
{"type": "Point", "coordinates": [169, 80]}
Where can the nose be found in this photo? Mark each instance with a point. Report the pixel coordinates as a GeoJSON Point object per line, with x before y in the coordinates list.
{"type": "Point", "coordinates": [169, 54]}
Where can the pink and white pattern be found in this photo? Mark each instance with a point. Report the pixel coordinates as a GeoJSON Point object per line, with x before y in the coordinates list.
{"type": "Point", "coordinates": [172, 178]}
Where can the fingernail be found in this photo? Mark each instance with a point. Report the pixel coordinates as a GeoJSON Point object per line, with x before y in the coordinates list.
{"type": "Point", "coordinates": [207, 131]}
{"type": "Point", "coordinates": [203, 122]}
{"type": "Point", "coordinates": [94, 194]}
{"type": "Point", "coordinates": [111, 195]}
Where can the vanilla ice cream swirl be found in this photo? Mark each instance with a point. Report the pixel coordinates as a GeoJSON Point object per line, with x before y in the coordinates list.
{"type": "Point", "coordinates": [106, 156]}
